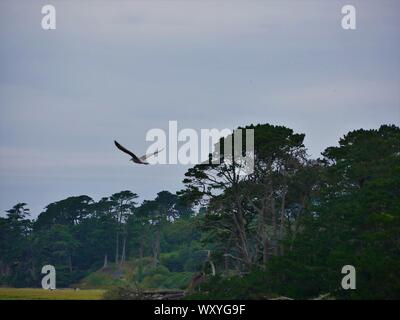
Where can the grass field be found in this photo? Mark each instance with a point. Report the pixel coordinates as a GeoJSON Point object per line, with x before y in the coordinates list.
{"type": "Point", "coordinates": [40, 294]}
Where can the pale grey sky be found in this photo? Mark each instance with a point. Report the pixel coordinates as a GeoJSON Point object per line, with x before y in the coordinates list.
{"type": "Point", "coordinates": [115, 69]}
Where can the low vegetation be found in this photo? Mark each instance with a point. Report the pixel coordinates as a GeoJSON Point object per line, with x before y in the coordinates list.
{"type": "Point", "coordinates": [140, 273]}
{"type": "Point", "coordinates": [40, 294]}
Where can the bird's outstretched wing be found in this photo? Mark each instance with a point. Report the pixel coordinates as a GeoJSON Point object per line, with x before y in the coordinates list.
{"type": "Point", "coordinates": [150, 154]}
{"type": "Point", "coordinates": [123, 149]}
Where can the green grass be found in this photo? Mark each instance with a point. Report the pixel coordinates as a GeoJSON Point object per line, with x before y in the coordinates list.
{"type": "Point", "coordinates": [40, 294]}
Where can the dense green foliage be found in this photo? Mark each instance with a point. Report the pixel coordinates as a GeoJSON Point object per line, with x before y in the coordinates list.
{"type": "Point", "coordinates": [353, 218]}
{"type": "Point", "coordinates": [287, 228]}
{"type": "Point", "coordinates": [79, 236]}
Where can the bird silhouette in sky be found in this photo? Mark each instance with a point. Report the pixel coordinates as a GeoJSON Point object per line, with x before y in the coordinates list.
{"type": "Point", "coordinates": [134, 158]}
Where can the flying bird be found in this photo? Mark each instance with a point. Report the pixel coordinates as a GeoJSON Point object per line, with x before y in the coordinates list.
{"type": "Point", "coordinates": [134, 158]}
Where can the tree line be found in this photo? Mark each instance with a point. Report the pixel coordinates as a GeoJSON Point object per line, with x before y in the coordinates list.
{"type": "Point", "coordinates": [287, 228]}
{"type": "Point", "coordinates": [79, 235]}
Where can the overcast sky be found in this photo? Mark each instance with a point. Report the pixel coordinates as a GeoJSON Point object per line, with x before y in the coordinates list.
{"type": "Point", "coordinates": [115, 69]}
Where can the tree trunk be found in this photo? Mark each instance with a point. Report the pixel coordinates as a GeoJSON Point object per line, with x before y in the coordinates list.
{"type": "Point", "coordinates": [242, 239]}
{"type": "Point", "coordinates": [241, 230]}
{"type": "Point", "coordinates": [105, 265]}
{"type": "Point", "coordinates": [274, 227]}
{"type": "Point", "coordinates": [267, 212]}
{"type": "Point", "coordinates": [123, 250]}
{"type": "Point", "coordinates": [264, 231]}
{"type": "Point", "coordinates": [156, 247]}
{"type": "Point", "coordinates": [117, 248]}
{"type": "Point", "coordinates": [282, 222]}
